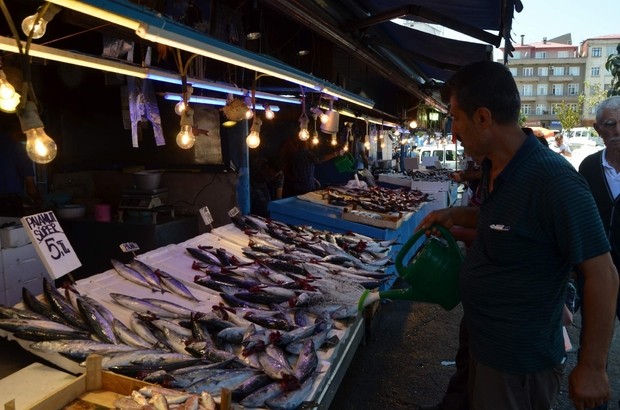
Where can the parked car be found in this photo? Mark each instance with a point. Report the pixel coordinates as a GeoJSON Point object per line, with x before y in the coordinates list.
{"type": "Point", "coordinates": [577, 137]}
{"type": "Point", "coordinates": [450, 155]}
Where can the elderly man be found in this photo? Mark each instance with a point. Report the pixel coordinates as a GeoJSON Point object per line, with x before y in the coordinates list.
{"type": "Point", "coordinates": [602, 171]}
{"type": "Point", "coordinates": [533, 225]}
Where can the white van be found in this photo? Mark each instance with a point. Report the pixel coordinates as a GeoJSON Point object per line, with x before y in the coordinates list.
{"type": "Point", "coordinates": [579, 136]}
{"type": "Point", "coordinates": [450, 155]}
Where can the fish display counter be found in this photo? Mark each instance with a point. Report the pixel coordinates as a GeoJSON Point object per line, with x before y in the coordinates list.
{"type": "Point", "coordinates": [264, 309]}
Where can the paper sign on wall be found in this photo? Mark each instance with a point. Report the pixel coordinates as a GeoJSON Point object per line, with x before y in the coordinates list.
{"type": "Point", "coordinates": [51, 243]}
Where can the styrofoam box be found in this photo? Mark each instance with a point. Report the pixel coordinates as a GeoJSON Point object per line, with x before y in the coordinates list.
{"type": "Point", "coordinates": [395, 179]}
{"type": "Point", "coordinates": [7, 220]}
{"type": "Point", "coordinates": [432, 186]}
{"type": "Point", "coordinates": [14, 236]}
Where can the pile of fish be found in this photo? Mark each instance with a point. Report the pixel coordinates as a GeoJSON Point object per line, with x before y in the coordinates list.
{"type": "Point", "coordinates": [278, 307]}
{"type": "Point", "coordinates": [377, 199]}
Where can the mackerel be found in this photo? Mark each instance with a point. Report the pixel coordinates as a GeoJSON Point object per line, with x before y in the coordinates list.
{"type": "Point", "coordinates": [148, 273]}
{"type": "Point", "coordinates": [292, 399]}
{"type": "Point", "coordinates": [128, 336]}
{"type": "Point", "coordinates": [41, 308]}
{"type": "Point", "coordinates": [275, 364]}
{"type": "Point", "coordinates": [178, 310]}
{"type": "Point", "coordinates": [174, 285]}
{"type": "Point", "coordinates": [9, 312]}
{"type": "Point", "coordinates": [228, 379]}
{"type": "Point", "coordinates": [258, 398]}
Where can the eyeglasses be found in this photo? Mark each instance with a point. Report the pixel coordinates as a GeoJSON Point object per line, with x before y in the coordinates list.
{"type": "Point", "coordinates": [610, 123]}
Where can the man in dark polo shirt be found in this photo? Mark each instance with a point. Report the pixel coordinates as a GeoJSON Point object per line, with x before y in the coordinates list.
{"type": "Point", "coordinates": [534, 223]}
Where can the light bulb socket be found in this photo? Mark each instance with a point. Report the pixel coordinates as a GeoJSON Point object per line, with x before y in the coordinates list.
{"type": "Point", "coordinates": [29, 117]}
{"type": "Point", "coordinates": [187, 118]}
{"type": "Point", "coordinates": [256, 124]}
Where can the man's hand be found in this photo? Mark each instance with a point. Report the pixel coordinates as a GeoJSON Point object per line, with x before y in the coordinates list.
{"type": "Point", "coordinates": [588, 387]}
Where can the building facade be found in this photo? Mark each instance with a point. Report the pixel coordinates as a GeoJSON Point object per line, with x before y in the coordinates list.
{"type": "Point", "coordinates": [547, 73]}
{"type": "Point", "coordinates": [596, 50]}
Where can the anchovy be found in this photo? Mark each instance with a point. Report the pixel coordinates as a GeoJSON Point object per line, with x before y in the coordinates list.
{"type": "Point", "coordinates": [174, 285]}
{"type": "Point", "coordinates": [62, 306]}
{"type": "Point", "coordinates": [97, 322]}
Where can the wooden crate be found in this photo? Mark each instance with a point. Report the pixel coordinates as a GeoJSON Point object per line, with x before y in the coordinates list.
{"type": "Point", "coordinates": [95, 387]}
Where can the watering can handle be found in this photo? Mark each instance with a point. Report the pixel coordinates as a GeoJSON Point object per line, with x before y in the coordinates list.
{"type": "Point", "coordinates": [407, 246]}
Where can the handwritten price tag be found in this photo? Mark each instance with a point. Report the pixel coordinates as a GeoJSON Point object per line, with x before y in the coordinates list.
{"type": "Point", "coordinates": [206, 215]}
{"type": "Point", "coordinates": [129, 247]}
{"type": "Point", "coordinates": [51, 243]}
{"type": "Point", "coordinates": [234, 212]}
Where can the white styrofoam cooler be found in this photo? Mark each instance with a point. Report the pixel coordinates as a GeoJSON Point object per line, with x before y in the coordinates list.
{"type": "Point", "coordinates": [13, 235]}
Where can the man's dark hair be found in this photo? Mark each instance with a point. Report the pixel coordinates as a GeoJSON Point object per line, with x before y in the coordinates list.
{"type": "Point", "coordinates": [485, 84]}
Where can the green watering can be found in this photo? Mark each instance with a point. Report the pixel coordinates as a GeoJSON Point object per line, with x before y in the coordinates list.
{"type": "Point", "coordinates": [432, 273]}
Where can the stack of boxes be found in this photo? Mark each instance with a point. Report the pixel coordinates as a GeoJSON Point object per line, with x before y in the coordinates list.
{"type": "Point", "coordinates": [20, 265]}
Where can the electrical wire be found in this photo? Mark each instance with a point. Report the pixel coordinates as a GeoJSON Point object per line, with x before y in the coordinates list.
{"type": "Point", "coordinates": [193, 203]}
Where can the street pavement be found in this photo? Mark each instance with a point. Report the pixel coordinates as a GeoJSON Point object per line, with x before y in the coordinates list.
{"type": "Point", "coordinates": [408, 358]}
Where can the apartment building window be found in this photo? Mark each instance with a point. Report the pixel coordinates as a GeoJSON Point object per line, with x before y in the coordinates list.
{"type": "Point", "coordinates": [513, 71]}
{"type": "Point", "coordinates": [527, 90]}
{"type": "Point", "coordinates": [558, 70]}
{"type": "Point", "coordinates": [597, 52]}
{"type": "Point", "coordinates": [528, 71]}
{"type": "Point", "coordinates": [574, 71]}
{"type": "Point", "coordinates": [573, 106]}
{"type": "Point", "coordinates": [573, 89]}
{"type": "Point", "coordinates": [555, 108]}
{"type": "Point", "coordinates": [541, 54]}
{"type": "Point", "coordinates": [516, 54]}
{"type": "Point", "coordinates": [557, 89]}
{"type": "Point", "coordinates": [563, 54]}
{"type": "Point", "coordinates": [542, 89]}
{"type": "Point", "coordinates": [526, 109]}
{"type": "Point", "coordinates": [541, 109]}
{"type": "Point", "coordinates": [543, 71]}
{"type": "Point", "coordinates": [595, 71]}
{"type": "Point", "coordinates": [610, 50]}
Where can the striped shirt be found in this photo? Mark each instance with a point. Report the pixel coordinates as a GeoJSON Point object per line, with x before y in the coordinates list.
{"type": "Point", "coordinates": [539, 220]}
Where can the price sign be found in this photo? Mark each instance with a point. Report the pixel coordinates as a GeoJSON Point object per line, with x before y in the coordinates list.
{"type": "Point", "coordinates": [234, 212]}
{"type": "Point", "coordinates": [129, 247]}
{"type": "Point", "coordinates": [206, 215]}
{"type": "Point", "coordinates": [51, 243]}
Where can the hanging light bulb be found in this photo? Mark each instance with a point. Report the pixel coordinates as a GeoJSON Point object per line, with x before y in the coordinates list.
{"type": "Point", "coordinates": [182, 105]}
{"type": "Point", "coordinates": [185, 137]}
{"type": "Point", "coordinates": [413, 124]}
{"type": "Point", "coordinates": [315, 138]}
{"type": "Point", "coordinates": [303, 127]}
{"type": "Point", "coordinates": [268, 112]}
{"type": "Point", "coordinates": [334, 141]}
{"type": "Point", "coordinates": [37, 27]}
{"type": "Point", "coordinates": [10, 104]}
{"type": "Point", "coordinates": [253, 139]}
{"type": "Point", "coordinates": [39, 146]}
{"type": "Point", "coordinates": [7, 90]}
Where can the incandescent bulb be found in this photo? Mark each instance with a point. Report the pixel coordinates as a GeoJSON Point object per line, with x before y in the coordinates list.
{"type": "Point", "coordinates": [315, 138]}
{"type": "Point", "coordinates": [253, 140]}
{"type": "Point", "coordinates": [249, 114]}
{"type": "Point", "coordinates": [304, 134]}
{"type": "Point", "coordinates": [334, 141]}
{"type": "Point", "coordinates": [180, 107]}
{"type": "Point", "coordinates": [185, 137]}
{"type": "Point", "coordinates": [269, 113]}
{"type": "Point", "coordinates": [39, 146]}
{"type": "Point", "coordinates": [6, 89]}
{"type": "Point", "coordinates": [324, 118]}
{"type": "Point", "coordinates": [38, 29]}
{"type": "Point", "coordinates": [10, 104]}
{"type": "Point", "coordinates": [413, 124]}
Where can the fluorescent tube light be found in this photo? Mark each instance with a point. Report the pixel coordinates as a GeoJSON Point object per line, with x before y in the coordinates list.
{"type": "Point", "coordinates": [212, 101]}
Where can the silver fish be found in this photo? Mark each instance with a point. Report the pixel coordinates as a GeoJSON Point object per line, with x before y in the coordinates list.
{"type": "Point", "coordinates": [141, 306]}
{"type": "Point", "coordinates": [174, 285]}
{"type": "Point", "coordinates": [260, 396]}
{"type": "Point", "coordinates": [97, 322]}
{"type": "Point", "coordinates": [307, 361]}
{"type": "Point", "coordinates": [62, 306]}
{"type": "Point", "coordinates": [178, 310]}
{"type": "Point", "coordinates": [228, 379]}
{"type": "Point", "coordinates": [78, 350]}
{"type": "Point", "coordinates": [141, 329]}
{"type": "Point", "coordinates": [275, 364]}
{"type": "Point", "coordinates": [104, 311]}
{"type": "Point", "coordinates": [9, 312]}
{"type": "Point", "coordinates": [128, 336]}
{"type": "Point", "coordinates": [149, 274]}
{"type": "Point", "coordinates": [129, 273]}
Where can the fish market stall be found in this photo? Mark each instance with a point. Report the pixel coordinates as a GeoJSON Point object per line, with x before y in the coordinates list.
{"type": "Point", "coordinates": [203, 303]}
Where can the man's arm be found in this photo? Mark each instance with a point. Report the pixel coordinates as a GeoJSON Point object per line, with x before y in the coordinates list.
{"type": "Point", "coordinates": [588, 382]}
{"type": "Point", "coordinates": [464, 216]}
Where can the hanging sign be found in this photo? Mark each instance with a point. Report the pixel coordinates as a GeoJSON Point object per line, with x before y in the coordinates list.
{"type": "Point", "coordinates": [51, 243]}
